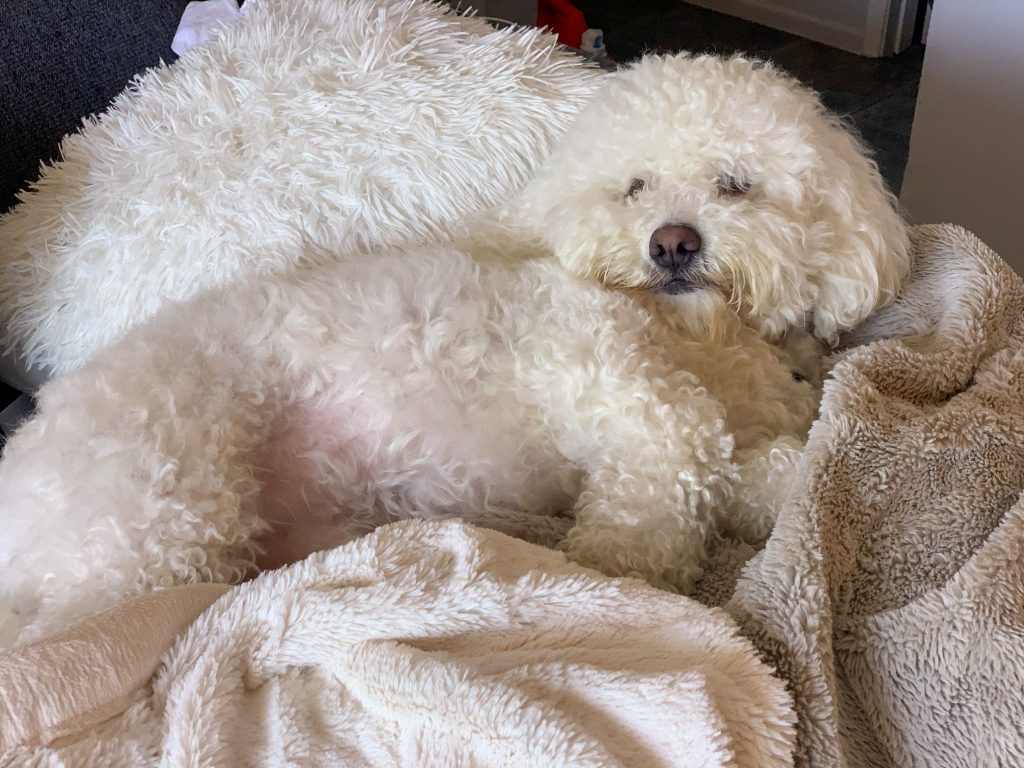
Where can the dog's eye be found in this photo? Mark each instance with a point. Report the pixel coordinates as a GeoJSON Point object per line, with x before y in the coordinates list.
{"type": "Point", "coordinates": [636, 186]}
{"type": "Point", "coordinates": [732, 186]}
{"type": "Point", "coordinates": [797, 376]}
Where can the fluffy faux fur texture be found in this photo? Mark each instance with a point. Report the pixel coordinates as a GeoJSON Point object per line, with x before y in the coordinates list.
{"type": "Point", "coordinates": [480, 377]}
{"type": "Point", "coordinates": [354, 124]}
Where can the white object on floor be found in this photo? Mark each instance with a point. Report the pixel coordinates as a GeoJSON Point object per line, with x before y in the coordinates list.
{"type": "Point", "coordinates": [424, 643]}
{"type": "Point", "coordinates": [200, 22]}
{"type": "Point", "coordinates": [593, 42]}
{"type": "Point", "coordinates": [592, 45]}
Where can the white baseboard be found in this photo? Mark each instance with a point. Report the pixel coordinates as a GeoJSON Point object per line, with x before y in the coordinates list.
{"type": "Point", "coordinates": [814, 27]}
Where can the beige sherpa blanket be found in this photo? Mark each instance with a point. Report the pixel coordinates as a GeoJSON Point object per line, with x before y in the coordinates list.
{"type": "Point", "coordinates": [423, 644]}
{"type": "Point", "coordinates": [891, 593]}
{"type": "Point", "coordinates": [889, 598]}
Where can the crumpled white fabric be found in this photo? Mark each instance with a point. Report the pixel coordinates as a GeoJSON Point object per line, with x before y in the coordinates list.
{"type": "Point", "coordinates": [436, 644]}
{"type": "Point", "coordinates": [200, 22]}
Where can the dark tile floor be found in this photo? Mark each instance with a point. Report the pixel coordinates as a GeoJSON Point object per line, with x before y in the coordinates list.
{"type": "Point", "coordinates": [878, 95]}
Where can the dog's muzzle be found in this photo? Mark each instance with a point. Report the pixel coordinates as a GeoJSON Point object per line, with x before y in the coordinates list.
{"type": "Point", "coordinates": [675, 249]}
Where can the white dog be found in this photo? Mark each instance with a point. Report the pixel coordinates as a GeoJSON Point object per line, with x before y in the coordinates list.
{"type": "Point", "coordinates": [717, 205]}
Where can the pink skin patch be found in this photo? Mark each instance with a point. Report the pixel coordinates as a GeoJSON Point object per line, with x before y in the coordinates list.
{"type": "Point", "coordinates": [317, 478]}
{"type": "Point", "coordinates": [342, 463]}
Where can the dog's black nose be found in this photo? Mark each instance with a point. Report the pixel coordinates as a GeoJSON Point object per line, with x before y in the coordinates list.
{"type": "Point", "coordinates": [673, 246]}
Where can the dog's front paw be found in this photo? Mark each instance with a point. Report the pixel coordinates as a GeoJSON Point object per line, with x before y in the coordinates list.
{"type": "Point", "coordinates": [766, 474]}
{"type": "Point", "coordinates": [664, 559]}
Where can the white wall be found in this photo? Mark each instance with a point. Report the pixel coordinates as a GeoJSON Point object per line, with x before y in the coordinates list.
{"type": "Point", "coordinates": [966, 161]}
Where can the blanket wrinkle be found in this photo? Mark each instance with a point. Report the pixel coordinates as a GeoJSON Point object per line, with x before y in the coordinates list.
{"type": "Point", "coordinates": [438, 643]}
{"type": "Point", "coordinates": [891, 593]}
{"type": "Point", "coordinates": [92, 672]}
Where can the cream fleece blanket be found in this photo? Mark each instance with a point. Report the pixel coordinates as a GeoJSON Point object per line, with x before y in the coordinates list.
{"type": "Point", "coordinates": [423, 644]}
{"type": "Point", "coordinates": [891, 593]}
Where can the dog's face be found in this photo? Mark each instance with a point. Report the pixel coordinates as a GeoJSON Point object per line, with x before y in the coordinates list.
{"type": "Point", "coordinates": [689, 176]}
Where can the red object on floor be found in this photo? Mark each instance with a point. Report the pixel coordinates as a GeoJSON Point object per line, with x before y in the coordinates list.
{"type": "Point", "coordinates": [564, 19]}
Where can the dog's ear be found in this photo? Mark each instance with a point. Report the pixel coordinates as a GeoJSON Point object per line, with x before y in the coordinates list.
{"type": "Point", "coordinates": [549, 210]}
{"type": "Point", "coordinates": [864, 241]}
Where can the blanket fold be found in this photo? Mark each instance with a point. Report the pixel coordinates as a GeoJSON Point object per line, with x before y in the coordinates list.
{"type": "Point", "coordinates": [71, 682]}
{"type": "Point", "coordinates": [436, 643]}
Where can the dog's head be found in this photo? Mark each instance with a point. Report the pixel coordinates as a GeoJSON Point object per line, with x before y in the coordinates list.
{"type": "Point", "coordinates": [689, 175]}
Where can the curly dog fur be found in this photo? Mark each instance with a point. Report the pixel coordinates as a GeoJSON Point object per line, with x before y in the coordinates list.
{"type": "Point", "coordinates": [552, 360]}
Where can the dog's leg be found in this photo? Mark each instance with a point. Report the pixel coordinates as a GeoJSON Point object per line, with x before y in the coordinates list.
{"type": "Point", "coordinates": [764, 483]}
{"type": "Point", "coordinates": [132, 476]}
{"type": "Point", "coordinates": [657, 462]}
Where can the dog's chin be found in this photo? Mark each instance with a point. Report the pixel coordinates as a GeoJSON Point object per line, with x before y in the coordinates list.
{"type": "Point", "coordinates": [696, 303]}
{"type": "Point", "coordinates": [681, 285]}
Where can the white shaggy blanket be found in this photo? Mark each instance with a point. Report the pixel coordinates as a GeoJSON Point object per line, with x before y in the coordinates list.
{"type": "Point", "coordinates": [346, 124]}
{"type": "Point", "coordinates": [423, 644]}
